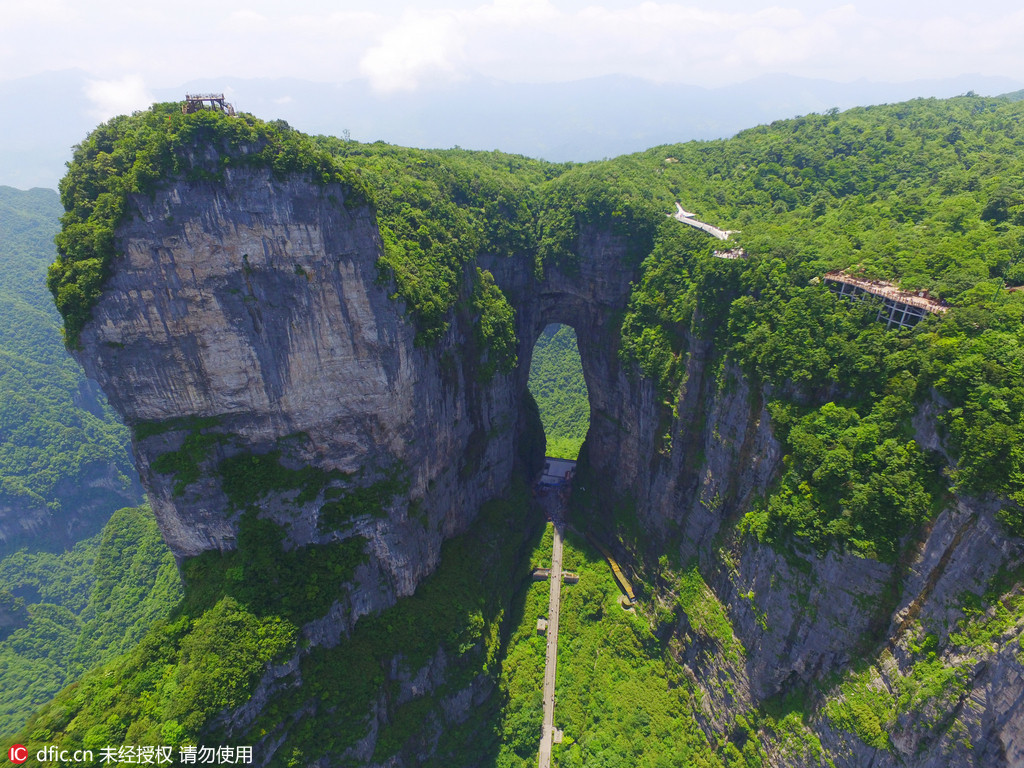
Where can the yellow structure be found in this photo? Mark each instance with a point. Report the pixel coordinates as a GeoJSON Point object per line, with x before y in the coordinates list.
{"type": "Point", "coordinates": [616, 570]}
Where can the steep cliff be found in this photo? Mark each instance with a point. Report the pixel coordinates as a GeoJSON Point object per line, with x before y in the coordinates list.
{"type": "Point", "coordinates": [250, 312]}
{"type": "Point", "coordinates": [767, 459]}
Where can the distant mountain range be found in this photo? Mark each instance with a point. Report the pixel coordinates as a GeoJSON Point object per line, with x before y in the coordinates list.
{"type": "Point", "coordinates": [583, 120]}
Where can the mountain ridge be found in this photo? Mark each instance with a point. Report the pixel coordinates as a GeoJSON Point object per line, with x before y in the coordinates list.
{"type": "Point", "coordinates": [530, 119]}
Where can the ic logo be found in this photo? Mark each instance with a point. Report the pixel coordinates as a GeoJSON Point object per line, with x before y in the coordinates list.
{"type": "Point", "coordinates": [18, 754]}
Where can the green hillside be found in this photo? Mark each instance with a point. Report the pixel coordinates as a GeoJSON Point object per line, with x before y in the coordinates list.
{"type": "Point", "coordinates": [77, 586]}
{"type": "Point", "coordinates": [556, 383]}
{"type": "Point", "coordinates": [63, 456]}
{"type": "Point", "coordinates": [66, 613]}
{"type": "Point", "coordinates": [928, 193]}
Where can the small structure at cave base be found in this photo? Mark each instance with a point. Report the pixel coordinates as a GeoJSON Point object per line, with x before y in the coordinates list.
{"type": "Point", "coordinates": [197, 102]}
{"type": "Point", "coordinates": [557, 473]}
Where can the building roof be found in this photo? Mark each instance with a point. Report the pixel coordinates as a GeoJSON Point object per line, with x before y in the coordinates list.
{"type": "Point", "coordinates": [555, 470]}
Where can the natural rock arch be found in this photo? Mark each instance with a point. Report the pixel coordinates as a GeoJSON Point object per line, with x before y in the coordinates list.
{"type": "Point", "coordinates": [250, 311]}
{"type": "Point", "coordinates": [590, 295]}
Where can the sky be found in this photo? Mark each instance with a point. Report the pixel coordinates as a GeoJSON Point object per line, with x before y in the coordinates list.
{"type": "Point", "coordinates": [129, 49]}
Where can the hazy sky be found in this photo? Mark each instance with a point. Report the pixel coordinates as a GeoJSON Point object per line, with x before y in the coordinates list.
{"type": "Point", "coordinates": [130, 48]}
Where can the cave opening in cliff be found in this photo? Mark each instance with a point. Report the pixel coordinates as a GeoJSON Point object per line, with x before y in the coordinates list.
{"type": "Point", "coordinates": [557, 385]}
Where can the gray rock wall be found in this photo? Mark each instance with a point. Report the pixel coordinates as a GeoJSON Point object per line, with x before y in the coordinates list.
{"type": "Point", "coordinates": [256, 303]}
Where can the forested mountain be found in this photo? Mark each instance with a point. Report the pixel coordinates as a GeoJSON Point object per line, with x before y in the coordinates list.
{"type": "Point", "coordinates": [577, 120]}
{"type": "Point", "coordinates": [556, 383]}
{"type": "Point", "coordinates": [77, 587]}
{"type": "Point", "coordinates": [64, 460]}
{"type": "Point", "coordinates": [63, 614]}
{"type": "Point", "coordinates": [821, 514]}
{"type": "Point", "coordinates": [927, 194]}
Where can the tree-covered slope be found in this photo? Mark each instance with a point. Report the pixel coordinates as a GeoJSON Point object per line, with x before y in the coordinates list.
{"type": "Point", "coordinates": [926, 194]}
{"type": "Point", "coordinates": [66, 613]}
{"type": "Point", "coordinates": [436, 209]}
{"type": "Point", "coordinates": [64, 461]}
{"type": "Point", "coordinates": [240, 612]}
{"type": "Point", "coordinates": [75, 593]}
{"type": "Point", "coordinates": [556, 383]}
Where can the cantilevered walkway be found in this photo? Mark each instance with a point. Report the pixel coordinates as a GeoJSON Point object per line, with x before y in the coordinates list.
{"type": "Point", "coordinates": [688, 218]}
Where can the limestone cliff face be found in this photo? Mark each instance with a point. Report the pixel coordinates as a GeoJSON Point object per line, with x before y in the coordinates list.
{"type": "Point", "coordinates": [800, 619]}
{"type": "Point", "coordinates": [803, 620]}
{"type": "Point", "coordinates": [976, 718]}
{"type": "Point", "coordinates": [255, 305]}
{"type": "Point", "coordinates": [252, 310]}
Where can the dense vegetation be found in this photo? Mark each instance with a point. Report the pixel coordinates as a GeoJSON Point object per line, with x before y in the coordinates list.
{"type": "Point", "coordinates": [522, 670]}
{"type": "Point", "coordinates": [458, 613]}
{"type": "Point", "coordinates": [240, 611]}
{"type": "Point", "coordinates": [556, 383]}
{"type": "Point", "coordinates": [927, 194]}
{"type": "Point", "coordinates": [67, 613]}
{"type": "Point", "coordinates": [494, 327]}
{"type": "Point", "coordinates": [76, 593]}
{"type": "Point", "coordinates": [623, 698]}
{"type": "Point", "coordinates": [58, 438]}
{"type": "Point", "coordinates": [437, 211]}
{"type": "Point", "coordinates": [130, 155]}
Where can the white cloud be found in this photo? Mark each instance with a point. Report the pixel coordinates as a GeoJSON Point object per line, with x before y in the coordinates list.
{"type": "Point", "coordinates": [117, 97]}
{"type": "Point", "coordinates": [532, 40]}
{"type": "Point", "coordinates": [398, 45]}
{"type": "Point", "coordinates": [420, 47]}
{"type": "Point", "coordinates": [517, 12]}
{"type": "Point", "coordinates": [245, 20]}
{"type": "Point", "coordinates": [15, 12]}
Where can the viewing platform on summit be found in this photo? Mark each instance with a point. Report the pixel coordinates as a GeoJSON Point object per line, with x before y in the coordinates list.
{"type": "Point", "coordinates": [197, 102]}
